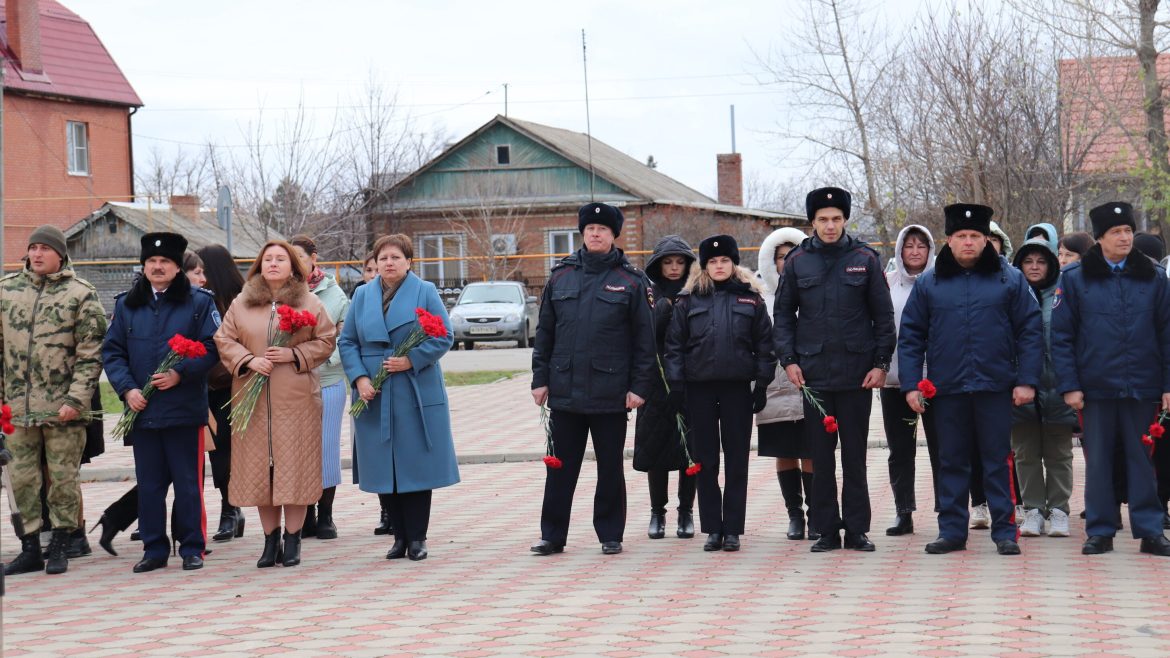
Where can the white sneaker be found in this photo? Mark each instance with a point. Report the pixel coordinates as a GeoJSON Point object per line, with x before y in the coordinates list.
{"type": "Point", "coordinates": [980, 517]}
{"type": "Point", "coordinates": [1033, 525]}
{"type": "Point", "coordinates": [1021, 514]}
{"type": "Point", "coordinates": [1058, 524]}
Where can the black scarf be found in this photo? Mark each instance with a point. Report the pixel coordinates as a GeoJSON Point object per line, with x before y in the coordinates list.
{"type": "Point", "coordinates": [141, 293]}
{"type": "Point", "coordinates": [945, 264]}
{"type": "Point", "coordinates": [1137, 265]}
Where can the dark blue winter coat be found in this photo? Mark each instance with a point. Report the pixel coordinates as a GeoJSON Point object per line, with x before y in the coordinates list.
{"type": "Point", "coordinates": [979, 328]}
{"type": "Point", "coordinates": [1111, 332]}
{"type": "Point", "coordinates": [595, 338]}
{"type": "Point", "coordinates": [846, 318]}
{"type": "Point", "coordinates": [136, 343]}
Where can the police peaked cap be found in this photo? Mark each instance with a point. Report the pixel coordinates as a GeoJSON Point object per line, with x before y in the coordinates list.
{"type": "Point", "coordinates": [600, 213]}
{"type": "Point", "coordinates": [827, 197]}
{"type": "Point", "coordinates": [718, 245]}
{"type": "Point", "coordinates": [968, 217]}
{"type": "Point", "coordinates": [167, 245]}
{"type": "Point", "coordinates": [1106, 216]}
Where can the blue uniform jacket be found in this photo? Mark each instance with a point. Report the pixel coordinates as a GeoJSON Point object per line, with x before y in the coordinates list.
{"type": "Point", "coordinates": [980, 328]}
{"type": "Point", "coordinates": [1111, 332]}
{"type": "Point", "coordinates": [136, 343]}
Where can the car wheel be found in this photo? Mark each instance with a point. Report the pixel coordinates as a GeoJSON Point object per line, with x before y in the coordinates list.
{"type": "Point", "coordinates": [469, 345]}
{"type": "Point", "coordinates": [523, 342]}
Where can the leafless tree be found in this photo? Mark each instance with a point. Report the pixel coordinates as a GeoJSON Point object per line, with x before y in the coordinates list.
{"type": "Point", "coordinates": [492, 229]}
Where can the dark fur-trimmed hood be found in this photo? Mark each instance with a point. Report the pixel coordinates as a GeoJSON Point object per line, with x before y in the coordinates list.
{"type": "Point", "coordinates": [945, 264]}
{"type": "Point", "coordinates": [140, 294]}
{"type": "Point", "coordinates": [256, 292]}
{"type": "Point", "coordinates": [1137, 265]}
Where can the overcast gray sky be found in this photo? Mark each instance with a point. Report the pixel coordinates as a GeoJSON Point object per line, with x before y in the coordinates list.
{"type": "Point", "coordinates": [662, 74]}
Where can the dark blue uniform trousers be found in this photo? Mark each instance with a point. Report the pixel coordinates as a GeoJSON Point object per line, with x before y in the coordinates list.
{"type": "Point", "coordinates": [979, 422]}
{"type": "Point", "coordinates": [162, 458]}
{"type": "Point", "coordinates": [1120, 423]}
{"type": "Point", "coordinates": [570, 431]}
{"type": "Point", "coordinates": [851, 408]}
{"type": "Point", "coordinates": [720, 414]}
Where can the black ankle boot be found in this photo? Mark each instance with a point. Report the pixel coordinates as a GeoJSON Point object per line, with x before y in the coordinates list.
{"type": "Point", "coordinates": [78, 544]}
{"type": "Point", "coordinates": [30, 559]}
{"type": "Point", "coordinates": [273, 552]}
{"type": "Point", "coordinates": [904, 525]}
{"type": "Point", "coordinates": [292, 549]}
{"type": "Point", "coordinates": [57, 562]}
{"type": "Point", "coordinates": [790, 490]}
{"type": "Point", "coordinates": [325, 526]}
{"type": "Point", "coordinates": [385, 525]}
{"type": "Point", "coordinates": [309, 529]}
{"type": "Point", "coordinates": [657, 529]}
{"type": "Point", "coordinates": [686, 524]}
{"type": "Point", "coordinates": [231, 523]}
{"type": "Point", "coordinates": [806, 481]}
{"type": "Point", "coordinates": [109, 531]}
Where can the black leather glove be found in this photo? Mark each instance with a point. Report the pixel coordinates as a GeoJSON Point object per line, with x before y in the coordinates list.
{"type": "Point", "coordinates": [677, 399]}
{"type": "Point", "coordinates": [759, 397]}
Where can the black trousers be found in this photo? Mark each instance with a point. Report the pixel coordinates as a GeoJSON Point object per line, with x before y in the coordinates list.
{"type": "Point", "coordinates": [409, 512]}
{"type": "Point", "coordinates": [851, 409]}
{"type": "Point", "coordinates": [720, 414]}
{"type": "Point", "coordinates": [966, 422]}
{"type": "Point", "coordinates": [659, 481]}
{"type": "Point", "coordinates": [902, 438]}
{"type": "Point", "coordinates": [163, 458]}
{"type": "Point", "coordinates": [1109, 424]}
{"type": "Point", "coordinates": [221, 457]}
{"type": "Point", "coordinates": [570, 431]}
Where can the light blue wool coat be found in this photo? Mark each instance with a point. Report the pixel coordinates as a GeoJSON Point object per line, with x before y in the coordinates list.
{"type": "Point", "coordinates": [403, 440]}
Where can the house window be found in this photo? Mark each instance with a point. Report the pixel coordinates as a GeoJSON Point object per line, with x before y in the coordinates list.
{"type": "Point", "coordinates": [440, 246]}
{"type": "Point", "coordinates": [503, 154]}
{"type": "Point", "coordinates": [562, 242]}
{"type": "Point", "coordinates": [77, 147]}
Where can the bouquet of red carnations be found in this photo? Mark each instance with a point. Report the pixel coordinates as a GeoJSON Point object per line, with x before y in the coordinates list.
{"type": "Point", "coordinates": [429, 326]}
{"type": "Point", "coordinates": [181, 348]}
{"type": "Point", "coordinates": [243, 403]}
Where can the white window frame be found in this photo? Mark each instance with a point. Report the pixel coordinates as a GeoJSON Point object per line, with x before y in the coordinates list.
{"type": "Point", "coordinates": [574, 237]}
{"type": "Point", "coordinates": [447, 269]}
{"type": "Point", "coordinates": [77, 155]}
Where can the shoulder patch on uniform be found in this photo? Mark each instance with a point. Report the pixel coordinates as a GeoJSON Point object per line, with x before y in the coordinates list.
{"type": "Point", "coordinates": [852, 269]}
{"type": "Point", "coordinates": [1057, 295]}
{"type": "Point", "coordinates": [612, 288]}
{"type": "Point", "coordinates": [215, 316]}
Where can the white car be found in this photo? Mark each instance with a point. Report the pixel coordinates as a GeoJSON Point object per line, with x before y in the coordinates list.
{"type": "Point", "coordinates": [494, 311]}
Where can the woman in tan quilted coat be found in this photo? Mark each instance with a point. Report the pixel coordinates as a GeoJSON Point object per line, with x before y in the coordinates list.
{"type": "Point", "coordinates": [276, 461]}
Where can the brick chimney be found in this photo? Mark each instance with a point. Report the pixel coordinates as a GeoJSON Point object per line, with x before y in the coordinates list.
{"type": "Point", "coordinates": [24, 33]}
{"type": "Point", "coordinates": [186, 206]}
{"type": "Point", "coordinates": [730, 178]}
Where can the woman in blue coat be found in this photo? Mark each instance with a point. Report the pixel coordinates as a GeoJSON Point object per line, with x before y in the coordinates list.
{"type": "Point", "coordinates": [404, 444]}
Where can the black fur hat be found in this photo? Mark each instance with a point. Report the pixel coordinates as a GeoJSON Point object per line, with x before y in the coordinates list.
{"type": "Point", "coordinates": [827, 197]}
{"type": "Point", "coordinates": [167, 245]}
{"type": "Point", "coordinates": [1108, 215]}
{"type": "Point", "coordinates": [600, 213]}
{"type": "Point", "coordinates": [968, 217]}
{"type": "Point", "coordinates": [718, 245]}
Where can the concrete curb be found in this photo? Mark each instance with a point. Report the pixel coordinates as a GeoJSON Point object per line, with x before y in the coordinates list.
{"type": "Point", "coordinates": [127, 474]}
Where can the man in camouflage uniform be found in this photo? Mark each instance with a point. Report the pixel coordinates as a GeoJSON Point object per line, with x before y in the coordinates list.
{"type": "Point", "coordinates": [51, 331]}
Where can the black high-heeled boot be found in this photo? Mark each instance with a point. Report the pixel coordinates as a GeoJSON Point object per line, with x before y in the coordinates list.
{"type": "Point", "coordinates": [790, 490]}
{"type": "Point", "coordinates": [292, 548]}
{"type": "Point", "coordinates": [386, 526]}
{"type": "Point", "coordinates": [657, 528]}
{"type": "Point", "coordinates": [309, 528]}
{"type": "Point", "coordinates": [109, 531]}
{"type": "Point", "coordinates": [686, 524]}
{"type": "Point", "coordinates": [326, 529]}
{"type": "Point", "coordinates": [231, 520]}
{"type": "Point", "coordinates": [273, 551]}
{"type": "Point", "coordinates": [806, 479]}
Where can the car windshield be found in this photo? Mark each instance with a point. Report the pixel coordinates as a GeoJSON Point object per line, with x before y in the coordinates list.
{"type": "Point", "coordinates": [491, 295]}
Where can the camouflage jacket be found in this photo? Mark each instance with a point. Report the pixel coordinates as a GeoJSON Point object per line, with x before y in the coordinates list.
{"type": "Point", "coordinates": [51, 331]}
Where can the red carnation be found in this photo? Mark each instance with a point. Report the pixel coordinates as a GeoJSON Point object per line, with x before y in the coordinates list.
{"type": "Point", "coordinates": [927, 389]}
{"type": "Point", "coordinates": [830, 424]}
{"type": "Point", "coordinates": [1147, 440]}
{"type": "Point", "coordinates": [8, 428]}
{"type": "Point", "coordinates": [1157, 431]}
{"type": "Point", "coordinates": [432, 325]}
{"type": "Point", "coordinates": [307, 319]}
{"type": "Point", "coordinates": [5, 413]}
{"type": "Point", "coordinates": [552, 462]}
{"type": "Point", "coordinates": [187, 348]}
{"type": "Point", "coordinates": [694, 468]}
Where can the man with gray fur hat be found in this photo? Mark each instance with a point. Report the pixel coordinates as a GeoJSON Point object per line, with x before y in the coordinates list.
{"type": "Point", "coordinates": [51, 329]}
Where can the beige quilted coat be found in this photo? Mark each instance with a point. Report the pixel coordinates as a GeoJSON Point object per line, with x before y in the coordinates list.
{"type": "Point", "coordinates": [285, 430]}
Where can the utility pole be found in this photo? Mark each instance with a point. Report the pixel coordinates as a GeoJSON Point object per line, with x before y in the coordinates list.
{"type": "Point", "coordinates": [505, 99]}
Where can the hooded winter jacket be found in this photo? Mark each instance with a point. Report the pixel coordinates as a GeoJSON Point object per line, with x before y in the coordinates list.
{"type": "Point", "coordinates": [846, 324]}
{"type": "Point", "coordinates": [656, 437]}
{"type": "Point", "coordinates": [1045, 230]}
{"type": "Point", "coordinates": [784, 402]}
{"type": "Point", "coordinates": [998, 232]}
{"type": "Point", "coordinates": [979, 328]}
{"type": "Point", "coordinates": [51, 331]}
{"type": "Point", "coordinates": [1049, 406]}
{"type": "Point", "coordinates": [720, 332]}
{"type": "Point", "coordinates": [901, 283]}
{"type": "Point", "coordinates": [1111, 331]}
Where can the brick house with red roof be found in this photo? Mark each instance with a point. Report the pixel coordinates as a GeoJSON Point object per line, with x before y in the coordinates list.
{"type": "Point", "coordinates": [67, 113]}
{"type": "Point", "coordinates": [1103, 129]}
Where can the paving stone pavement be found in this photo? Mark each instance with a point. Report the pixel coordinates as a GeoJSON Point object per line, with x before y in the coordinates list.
{"type": "Point", "coordinates": [482, 593]}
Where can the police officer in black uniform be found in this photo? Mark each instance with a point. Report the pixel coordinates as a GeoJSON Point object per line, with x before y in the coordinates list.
{"type": "Point", "coordinates": [593, 360]}
{"type": "Point", "coordinates": [834, 331]}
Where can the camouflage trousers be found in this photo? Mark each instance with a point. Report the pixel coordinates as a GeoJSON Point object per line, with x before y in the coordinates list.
{"type": "Point", "coordinates": [62, 447]}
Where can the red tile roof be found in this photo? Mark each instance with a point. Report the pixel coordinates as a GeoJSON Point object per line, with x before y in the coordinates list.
{"type": "Point", "coordinates": [1102, 121]}
{"type": "Point", "coordinates": [76, 63]}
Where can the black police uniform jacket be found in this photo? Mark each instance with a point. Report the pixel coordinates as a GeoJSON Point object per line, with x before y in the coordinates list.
{"type": "Point", "coordinates": [723, 335]}
{"type": "Point", "coordinates": [1110, 331]}
{"type": "Point", "coordinates": [846, 325]}
{"type": "Point", "coordinates": [136, 343]}
{"type": "Point", "coordinates": [595, 337]}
